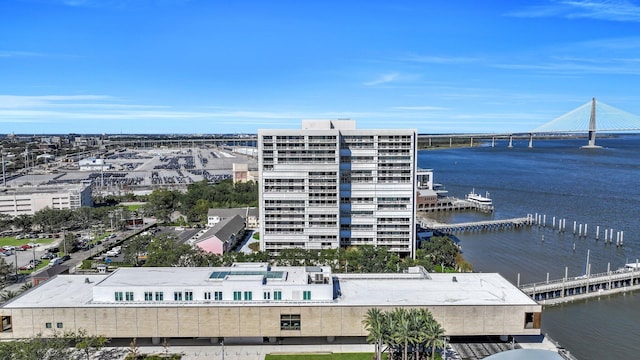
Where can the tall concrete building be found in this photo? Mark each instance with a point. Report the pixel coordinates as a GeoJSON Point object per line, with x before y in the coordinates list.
{"type": "Point", "coordinates": [329, 185]}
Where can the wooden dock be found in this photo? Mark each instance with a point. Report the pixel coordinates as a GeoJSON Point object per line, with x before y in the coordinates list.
{"type": "Point", "coordinates": [488, 225]}
{"type": "Point", "coordinates": [584, 287]}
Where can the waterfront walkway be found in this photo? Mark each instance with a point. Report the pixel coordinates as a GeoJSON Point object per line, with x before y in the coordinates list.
{"type": "Point", "coordinates": [488, 225]}
{"type": "Point", "coordinates": [584, 287]}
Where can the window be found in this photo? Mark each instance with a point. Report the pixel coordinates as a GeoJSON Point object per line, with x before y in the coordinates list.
{"type": "Point", "coordinates": [118, 295]}
{"type": "Point", "coordinates": [129, 296]}
{"type": "Point", "coordinates": [532, 320]}
{"type": "Point", "coordinates": [48, 325]}
{"type": "Point", "coordinates": [207, 295]}
{"type": "Point", "coordinates": [159, 296]}
{"type": "Point", "coordinates": [248, 295]}
{"type": "Point", "coordinates": [177, 296]}
{"type": "Point", "coordinates": [188, 295]}
{"type": "Point", "coordinates": [306, 295]}
{"type": "Point", "coordinates": [218, 295]}
{"type": "Point", "coordinates": [6, 323]}
{"type": "Point", "coordinates": [59, 325]}
{"type": "Point", "coordinates": [148, 296]}
{"type": "Point", "coordinates": [266, 295]}
{"type": "Point", "coordinates": [237, 295]}
{"type": "Point", "coordinates": [289, 322]}
{"type": "Point", "coordinates": [277, 295]}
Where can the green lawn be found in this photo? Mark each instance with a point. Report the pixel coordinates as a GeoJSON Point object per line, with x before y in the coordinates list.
{"type": "Point", "coordinates": [15, 242]}
{"type": "Point", "coordinates": [44, 263]}
{"type": "Point", "coordinates": [321, 356]}
{"type": "Point", "coordinates": [132, 207]}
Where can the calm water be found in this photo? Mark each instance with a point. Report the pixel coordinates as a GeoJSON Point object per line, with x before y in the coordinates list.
{"type": "Point", "coordinates": [556, 178]}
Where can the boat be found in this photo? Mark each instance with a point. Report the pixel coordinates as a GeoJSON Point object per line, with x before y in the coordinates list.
{"type": "Point", "coordinates": [481, 202]}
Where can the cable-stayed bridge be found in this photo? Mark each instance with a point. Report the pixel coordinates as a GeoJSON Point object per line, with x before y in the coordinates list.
{"type": "Point", "coordinates": [589, 118]}
{"type": "Point", "coordinates": [593, 118]}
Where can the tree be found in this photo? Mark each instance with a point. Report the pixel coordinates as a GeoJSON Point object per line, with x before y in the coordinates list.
{"type": "Point", "coordinates": [165, 251]}
{"type": "Point", "coordinates": [374, 323]}
{"type": "Point", "coordinates": [433, 337]}
{"type": "Point", "coordinates": [7, 295]}
{"type": "Point", "coordinates": [5, 268]}
{"type": "Point", "coordinates": [134, 351]}
{"type": "Point", "coordinates": [402, 331]}
{"type": "Point", "coordinates": [23, 222]}
{"type": "Point", "coordinates": [88, 344]}
{"type": "Point", "coordinates": [37, 348]}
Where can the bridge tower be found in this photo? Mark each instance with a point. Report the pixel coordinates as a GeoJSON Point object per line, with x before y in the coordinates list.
{"type": "Point", "coordinates": [592, 128]}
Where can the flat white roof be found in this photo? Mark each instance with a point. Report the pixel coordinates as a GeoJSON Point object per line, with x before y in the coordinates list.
{"type": "Point", "coordinates": [414, 289]}
{"type": "Point", "coordinates": [440, 289]}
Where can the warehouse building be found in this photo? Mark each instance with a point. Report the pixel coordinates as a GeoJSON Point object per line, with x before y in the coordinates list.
{"type": "Point", "coordinates": [262, 303]}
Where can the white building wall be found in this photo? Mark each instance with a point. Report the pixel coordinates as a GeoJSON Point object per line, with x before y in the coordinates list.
{"type": "Point", "coordinates": [366, 174]}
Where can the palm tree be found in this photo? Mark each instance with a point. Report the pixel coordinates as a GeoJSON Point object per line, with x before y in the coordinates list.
{"type": "Point", "coordinates": [374, 323]}
{"type": "Point", "coordinates": [402, 333]}
{"type": "Point", "coordinates": [7, 295]}
{"type": "Point", "coordinates": [433, 336]}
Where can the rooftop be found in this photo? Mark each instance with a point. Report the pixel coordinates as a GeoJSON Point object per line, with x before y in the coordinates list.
{"type": "Point", "coordinates": [416, 288]}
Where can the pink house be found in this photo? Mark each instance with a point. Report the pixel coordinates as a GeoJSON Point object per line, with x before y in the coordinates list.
{"type": "Point", "coordinates": [223, 236]}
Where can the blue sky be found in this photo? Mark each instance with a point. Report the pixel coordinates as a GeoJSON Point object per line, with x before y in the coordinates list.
{"type": "Point", "coordinates": [208, 66]}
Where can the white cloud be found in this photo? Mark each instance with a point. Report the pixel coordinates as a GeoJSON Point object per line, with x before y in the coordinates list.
{"type": "Point", "coordinates": [419, 108]}
{"type": "Point", "coordinates": [611, 10]}
{"type": "Point", "coordinates": [382, 79]}
{"type": "Point", "coordinates": [441, 59]}
{"type": "Point", "coordinates": [10, 53]}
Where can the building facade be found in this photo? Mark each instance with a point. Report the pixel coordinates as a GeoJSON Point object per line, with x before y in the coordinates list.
{"type": "Point", "coordinates": [28, 200]}
{"type": "Point", "coordinates": [257, 302]}
{"type": "Point", "coordinates": [329, 185]}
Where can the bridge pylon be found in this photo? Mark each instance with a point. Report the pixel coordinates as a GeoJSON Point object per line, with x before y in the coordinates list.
{"type": "Point", "coordinates": [592, 128]}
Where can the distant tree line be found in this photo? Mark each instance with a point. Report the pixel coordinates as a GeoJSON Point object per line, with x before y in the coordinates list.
{"type": "Point", "coordinates": [199, 198]}
{"type": "Point", "coordinates": [50, 221]}
{"type": "Point", "coordinates": [165, 251]}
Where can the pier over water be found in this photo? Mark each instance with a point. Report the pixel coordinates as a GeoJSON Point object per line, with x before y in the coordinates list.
{"type": "Point", "coordinates": [487, 225]}
{"type": "Point", "coordinates": [584, 287]}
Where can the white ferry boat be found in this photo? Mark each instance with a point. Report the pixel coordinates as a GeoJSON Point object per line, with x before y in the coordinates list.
{"type": "Point", "coordinates": [482, 202]}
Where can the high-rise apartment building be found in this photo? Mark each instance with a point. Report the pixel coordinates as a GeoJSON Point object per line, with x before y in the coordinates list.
{"type": "Point", "coordinates": [329, 185]}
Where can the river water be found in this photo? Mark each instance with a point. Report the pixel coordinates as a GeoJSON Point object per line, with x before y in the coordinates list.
{"type": "Point", "coordinates": [597, 187]}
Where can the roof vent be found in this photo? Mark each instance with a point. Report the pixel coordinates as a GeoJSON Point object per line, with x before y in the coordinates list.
{"type": "Point", "coordinates": [87, 281]}
{"type": "Point", "coordinates": [454, 279]}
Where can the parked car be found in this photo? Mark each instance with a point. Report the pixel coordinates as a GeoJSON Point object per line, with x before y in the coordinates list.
{"type": "Point", "coordinates": [35, 261]}
{"type": "Point", "coordinates": [24, 247]}
{"type": "Point", "coordinates": [26, 267]}
{"type": "Point", "coordinates": [55, 261]}
{"type": "Point", "coordinates": [47, 256]}
{"type": "Point", "coordinates": [65, 258]}
{"type": "Point", "coordinates": [9, 247]}
{"type": "Point", "coordinates": [32, 244]}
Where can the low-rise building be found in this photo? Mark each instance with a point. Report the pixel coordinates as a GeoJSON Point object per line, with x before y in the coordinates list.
{"type": "Point", "coordinates": [259, 302]}
{"type": "Point", "coordinates": [27, 200]}
{"type": "Point", "coordinates": [223, 236]}
{"type": "Point", "coordinates": [93, 164]}
{"type": "Point", "coordinates": [249, 214]}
